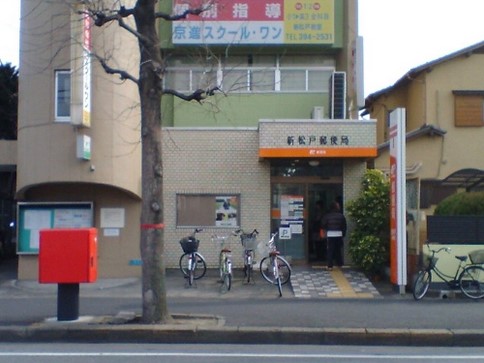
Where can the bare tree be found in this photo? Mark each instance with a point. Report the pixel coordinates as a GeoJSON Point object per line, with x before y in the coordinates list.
{"type": "Point", "coordinates": [149, 82]}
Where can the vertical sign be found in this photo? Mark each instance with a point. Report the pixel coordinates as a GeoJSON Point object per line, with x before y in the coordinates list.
{"type": "Point", "coordinates": [86, 70]}
{"type": "Point", "coordinates": [398, 243]}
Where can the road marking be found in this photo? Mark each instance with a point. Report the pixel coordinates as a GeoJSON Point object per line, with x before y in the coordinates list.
{"type": "Point", "coordinates": [241, 355]}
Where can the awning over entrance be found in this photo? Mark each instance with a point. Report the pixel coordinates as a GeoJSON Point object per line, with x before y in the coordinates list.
{"type": "Point", "coordinates": [465, 178]}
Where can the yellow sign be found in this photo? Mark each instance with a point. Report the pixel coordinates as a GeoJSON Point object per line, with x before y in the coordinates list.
{"type": "Point", "coordinates": [309, 21]}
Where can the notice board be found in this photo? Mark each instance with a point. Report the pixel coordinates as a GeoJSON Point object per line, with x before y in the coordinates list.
{"type": "Point", "coordinates": [32, 217]}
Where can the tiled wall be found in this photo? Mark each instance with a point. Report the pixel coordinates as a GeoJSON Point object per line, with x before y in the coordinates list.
{"type": "Point", "coordinates": [214, 161]}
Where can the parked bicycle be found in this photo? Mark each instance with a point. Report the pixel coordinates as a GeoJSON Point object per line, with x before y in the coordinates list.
{"type": "Point", "coordinates": [469, 278]}
{"type": "Point", "coordinates": [225, 261]}
{"type": "Point", "coordinates": [192, 264]}
{"type": "Point", "coordinates": [274, 268]}
{"type": "Point", "coordinates": [249, 242]}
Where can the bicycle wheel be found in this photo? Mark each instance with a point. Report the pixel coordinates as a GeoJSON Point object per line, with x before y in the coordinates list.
{"type": "Point", "coordinates": [279, 285]}
{"type": "Point", "coordinates": [270, 270]}
{"type": "Point", "coordinates": [226, 282]}
{"type": "Point", "coordinates": [421, 284]}
{"type": "Point", "coordinates": [471, 282]}
{"type": "Point", "coordinates": [284, 270]}
{"type": "Point", "coordinates": [267, 272]}
{"type": "Point", "coordinates": [221, 267]}
{"type": "Point", "coordinates": [200, 267]}
{"type": "Point", "coordinates": [249, 258]}
{"type": "Point", "coordinates": [191, 268]}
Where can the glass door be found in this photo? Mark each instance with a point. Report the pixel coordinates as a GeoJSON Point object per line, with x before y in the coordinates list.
{"type": "Point", "coordinates": [289, 219]}
{"type": "Point", "coordinates": [319, 199]}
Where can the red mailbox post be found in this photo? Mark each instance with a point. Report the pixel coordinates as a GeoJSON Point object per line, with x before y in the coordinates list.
{"type": "Point", "coordinates": [68, 257]}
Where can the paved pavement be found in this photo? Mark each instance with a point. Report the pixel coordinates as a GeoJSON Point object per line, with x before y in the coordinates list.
{"type": "Point", "coordinates": [346, 292]}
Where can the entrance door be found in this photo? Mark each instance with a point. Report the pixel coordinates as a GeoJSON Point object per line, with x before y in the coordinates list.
{"type": "Point", "coordinates": [296, 212]}
{"type": "Point", "coordinates": [298, 186]}
{"type": "Point", "coordinates": [319, 199]}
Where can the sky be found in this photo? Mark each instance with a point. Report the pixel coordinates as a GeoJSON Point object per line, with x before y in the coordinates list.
{"type": "Point", "coordinates": [398, 35]}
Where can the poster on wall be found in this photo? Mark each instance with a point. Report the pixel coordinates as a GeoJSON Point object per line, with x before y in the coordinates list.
{"type": "Point", "coordinates": [292, 213]}
{"type": "Point", "coordinates": [226, 211]}
{"type": "Point", "coordinates": [32, 217]}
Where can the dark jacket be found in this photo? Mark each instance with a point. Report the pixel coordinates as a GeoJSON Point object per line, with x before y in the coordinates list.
{"type": "Point", "coordinates": [334, 221]}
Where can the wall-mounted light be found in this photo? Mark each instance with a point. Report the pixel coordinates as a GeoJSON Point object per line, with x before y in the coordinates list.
{"type": "Point", "coordinates": [314, 162]}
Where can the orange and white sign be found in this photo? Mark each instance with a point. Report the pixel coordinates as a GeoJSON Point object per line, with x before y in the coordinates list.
{"type": "Point", "coordinates": [398, 241]}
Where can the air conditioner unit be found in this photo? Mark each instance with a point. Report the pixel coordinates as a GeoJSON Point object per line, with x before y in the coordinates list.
{"type": "Point", "coordinates": [337, 102]}
{"type": "Point", "coordinates": [317, 113]}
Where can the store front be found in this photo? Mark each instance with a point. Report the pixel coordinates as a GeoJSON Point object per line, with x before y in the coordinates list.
{"type": "Point", "coordinates": [313, 163]}
{"type": "Point", "coordinates": [302, 191]}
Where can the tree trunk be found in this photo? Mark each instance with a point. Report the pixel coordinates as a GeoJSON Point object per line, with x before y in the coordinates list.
{"type": "Point", "coordinates": [151, 244]}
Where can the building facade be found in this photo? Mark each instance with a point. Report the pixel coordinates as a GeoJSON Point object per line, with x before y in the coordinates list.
{"type": "Point", "coordinates": [443, 100]}
{"type": "Point", "coordinates": [282, 134]}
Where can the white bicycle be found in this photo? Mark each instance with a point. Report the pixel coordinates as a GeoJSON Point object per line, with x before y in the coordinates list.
{"type": "Point", "coordinates": [274, 268]}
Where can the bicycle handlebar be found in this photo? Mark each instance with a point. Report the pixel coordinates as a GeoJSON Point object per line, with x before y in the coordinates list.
{"type": "Point", "coordinates": [241, 232]}
{"type": "Point", "coordinates": [446, 249]}
{"type": "Point", "coordinates": [195, 231]}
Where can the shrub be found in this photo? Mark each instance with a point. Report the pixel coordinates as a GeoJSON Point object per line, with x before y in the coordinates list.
{"type": "Point", "coordinates": [369, 241]}
{"type": "Point", "coordinates": [461, 204]}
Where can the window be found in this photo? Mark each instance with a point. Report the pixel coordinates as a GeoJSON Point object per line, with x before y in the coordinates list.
{"type": "Point", "coordinates": [208, 210]}
{"type": "Point", "coordinates": [469, 108]}
{"type": "Point", "coordinates": [251, 74]}
{"type": "Point", "coordinates": [63, 96]}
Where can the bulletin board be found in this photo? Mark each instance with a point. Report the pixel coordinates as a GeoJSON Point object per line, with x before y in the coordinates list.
{"type": "Point", "coordinates": [32, 217]}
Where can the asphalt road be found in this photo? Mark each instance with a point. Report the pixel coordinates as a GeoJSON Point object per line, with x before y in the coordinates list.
{"type": "Point", "coordinates": [209, 353]}
{"type": "Point", "coordinates": [258, 306]}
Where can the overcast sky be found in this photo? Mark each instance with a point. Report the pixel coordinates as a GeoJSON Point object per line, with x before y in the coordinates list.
{"type": "Point", "coordinates": [398, 34]}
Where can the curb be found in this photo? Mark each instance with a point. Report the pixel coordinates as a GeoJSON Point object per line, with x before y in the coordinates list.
{"type": "Point", "coordinates": [202, 334]}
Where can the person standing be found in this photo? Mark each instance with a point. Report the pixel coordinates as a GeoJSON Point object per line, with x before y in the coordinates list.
{"type": "Point", "coordinates": [334, 223]}
{"type": "Point", "coordinates": [317, 241]}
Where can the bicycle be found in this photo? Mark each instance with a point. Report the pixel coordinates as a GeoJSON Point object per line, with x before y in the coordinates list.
{"type": "Point", "coordinates": [274, 268]}
{"type": "Point", "coordinates": [469, 278]}
{"type": "Point", "coordinates": [225, 262]}
{"type": "Point", "coordinates": [249, 241]}
{"type": "Point", "coordinates": [192, 264]}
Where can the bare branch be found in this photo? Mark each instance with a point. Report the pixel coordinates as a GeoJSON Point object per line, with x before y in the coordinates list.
{"type": "Point", "coordinates": [101, 18]}
{"type": "Point", "coordinates": [196, 11]}
{"type": "Point", "coordinates": [123, 75]}
{"type": "Point", "coordinates": [199, 95]}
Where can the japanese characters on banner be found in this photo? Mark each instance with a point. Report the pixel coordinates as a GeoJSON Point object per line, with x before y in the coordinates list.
{"type": "Point", "coordinates": [398, 242]}
{"type": "Point", "coordinates": [86, 74]}
{"type": "Point", "coordinates": [256, 22]}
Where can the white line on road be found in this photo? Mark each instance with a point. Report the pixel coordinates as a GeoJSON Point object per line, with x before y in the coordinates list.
{"type": "Point", "coordinates": [240, 355]}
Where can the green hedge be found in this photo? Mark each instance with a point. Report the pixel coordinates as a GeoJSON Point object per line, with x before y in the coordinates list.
{"type": "Point", "coordinates": [461, 204]}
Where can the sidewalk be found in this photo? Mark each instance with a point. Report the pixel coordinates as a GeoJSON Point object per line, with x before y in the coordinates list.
{"type": "Point", "coordinates": [337, 290]}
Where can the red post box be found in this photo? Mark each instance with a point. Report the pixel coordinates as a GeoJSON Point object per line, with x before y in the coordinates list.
{"type": "Point", "coordinates": [68, 256]}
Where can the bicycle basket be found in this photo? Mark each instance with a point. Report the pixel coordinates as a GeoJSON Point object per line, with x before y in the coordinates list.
{"type": "Point", "coordinates": [189, 244]}
{"type": "Point", "coordinates": [263, 250]}
{"type": "Point", "coordinates": [477, 257]}
{"type": "Point", "coordinates": [249, 242]}
{"type": "Point", "coordinates": [432, 261]}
